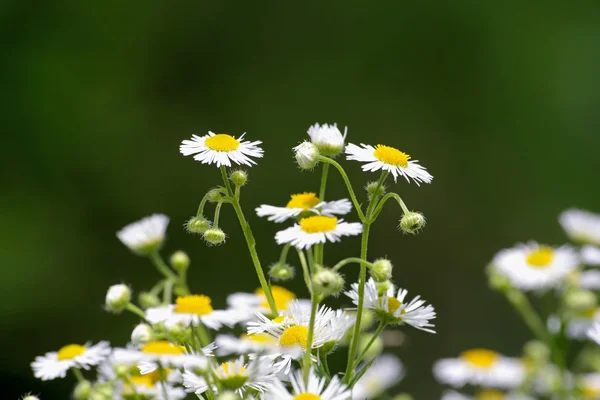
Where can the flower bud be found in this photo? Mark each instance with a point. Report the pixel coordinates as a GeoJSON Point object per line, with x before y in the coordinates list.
{"type": "Point", "coordinates": [376, 348]}
{"type": "Point", "coordinates": [580, 300]}
{"type": "Point", "coordinates": [381, 270]}
{"type": "Point", "coordinates": [403, 396]}
{"type": "Point", "coordinates": [147, 299]}
{"type": "Point", "coordinates": [307, 155]}
{"type": "Point", "coordinates": [142, 334]}
{"type": "Point", "coordinates": [496, 280]}
{"type": "Point", "coordinates": [382, 287]}
{"type": "Point", "coordinates": [412, 222]}
{"type": "Point", "coordinates": [228, 396]}
{"type": "Point", "coordinates": [367, 319]}
{"type": "Point", "coordinates": [117, 298]}
{"type": "Point", "coordinates": [239, 177]}
{"type": "Point", "coordinates": [374, 189]}
{"type": "Point", "coordinates": [180, 261]}
{"type": "Point", "coordinates": [82, 390]}
{"type": "Point", "coordinates": [214, 236]}
{"type": "Point", "coordinates": [214, 196]}
{"type": "Point", "coordinates": [327, 282]}
{"type": "Point", "coordinates": [102, 392]}
{"type": "Point", "coordinates": [328, 139]}
{"type": "Point", "coordinates": [30, 397]}
{"type": "Point", "coordinates": [197, 225]}
{"type": "Point", "coordinates": [122, 370]}
{"type": "Point", "coordinates": [536, 351]}
{"type": "Point", "coordinates": [281, 272]}
{"type": "Point", "coordinates": [178, 332]}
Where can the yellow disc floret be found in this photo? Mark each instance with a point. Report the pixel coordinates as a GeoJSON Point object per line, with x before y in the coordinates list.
{"type": "Point", "coordinates": [393, 304]}
{"type": "Point", "coordinates": [540, 258]}
{"type": "Point", "coordinates": [258, 338]}
{"type": "Point", "coordinates": [163, 347]}
{"type": "Point", "coordinates": [222, 142]}
{"type": "Point", "coordinates": [193, 304]}
{"type": "Point", "coordinates": [318, 224]}
{"type": "Point", "coordinates": [481, 358]}
{"type": "Point", "coordinates": [490, 395]}
{"type": "Point", "coordinates": [143, 380]}
{"type": "Point", "coordinates": [392, 156]}
{"type": "Point", "coordinates": [296, 335]}
{"type": "Point", "coordinates": [304, 200]}
{"type": "Point", "coordinates": [70, 351]}
{"type": "Point", "coordinates": [307, 396]}
{"type": "Point", "coordinates": [281, 295]}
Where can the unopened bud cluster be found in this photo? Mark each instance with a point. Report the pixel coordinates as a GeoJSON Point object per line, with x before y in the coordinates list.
{"type": "Point", "coordinates": [412, 222]}
{"type": "Point", "coordinates": [327, 282]}
{"type": "Point", "coordinates": [214, 236]}
{"type": "Point", "coordinates": [197, 225]}
{"type": "Point", "coordinates": [281, 272]}
{"type": "Point", "coordinates": [239, 177]}
{"type": "Point", "coordinates": [307, 155]}
{"type": "Point", "coordinates": [381, 270]}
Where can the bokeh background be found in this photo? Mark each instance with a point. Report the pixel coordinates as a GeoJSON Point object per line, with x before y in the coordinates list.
{"type": "Point", "coordinates": [500, 101]}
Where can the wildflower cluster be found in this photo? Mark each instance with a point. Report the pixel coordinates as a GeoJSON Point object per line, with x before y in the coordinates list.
{"type": "Point", "coordinates": [266, 343]}
{"type": "Point", "coordinates": [563, 360]}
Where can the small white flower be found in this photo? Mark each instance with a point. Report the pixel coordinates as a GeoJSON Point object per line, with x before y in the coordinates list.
{"type": "Point", "coordinates": [386, 372]}
{"type": "Point", "coordinates": [594, 332]}
{"type": "Point", "coordinates": [250, 303]}
{"type": "Point", "coordinates": [590, 386]}
{"type": "Point", "coordinates": [117, 297]}
{"type": "Point", "coordinates": [388, 159]}
{"type": "Point", "coordinates": [485, 394]}
{"type": "Point", "coordinates": [304, 203]}
{"type": "Point", "coordinates": [162, 353]}
{"type": "Point", "coordinates": [327, 138]}
{"type": "Point", "coordinates": [581, 226]}
{"type": "Point", "coordinates": [590, 255]}
{"type": "Point", "coordinates": [480, 367]}
{"type": "Point", "coordinates": [317, 229]}
{"type": "Point", "coordinates": [392, 307]}
{"type": "Point", "coordinates": [192, 310]}
{"type": "Point", "coordinates": [536, 267]}
{"type": "Point", "coordinates": [315, 389]}
{"type": "Point", "coordinates": [141, 334]}
{"type": "Point", "coordinates": [145, 235]}
{"type": "Point", "coordinates": [55, 364]}
{"type": "Point", "coordinates": [307, 155]}
{"type": "Point", "coordinates": [578, 326]}
{"type": "Point", "coordinates": [221, 149]}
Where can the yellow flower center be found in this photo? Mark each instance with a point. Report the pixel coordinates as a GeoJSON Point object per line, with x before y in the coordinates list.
{"type": "Point", "coordinates": [194, 304]}
{"type": "Point", "coordinates": [296, 335]}
{"type": "Point", "coordinates": [70, 351]}
{"type": "Point", "coordinates": [281, 295]}
{"type": "Point", "coordinates": [258, 338]}
{"type": "Point", "coordinates": [228, 368]}
{"type": "Point", "coordinates": [590, 392]}
{"type": "Point", "coordinates": [481, 358]}
{"type": "Point", "coordinates": [490, 395]}
{"type": "Point", "coordinates": [303, 200]}
{"type": "Point", "coordinates": [163, 347]}
{"type": "Point", "coordinates": [143, 380]}
{"type": "Point", "coordinates": [393, 303]}
{"type": "Point", "coordinates": [392, 156]}
{"type": "Point", "coordinates": [222, 142]}
{"type": "Point", "coordinates": [279, 320]}
{"type": "Point", "coordinates": [541, 257]}
{"type": "Point", "coordinates": [307, 396]}
{"type": "Point", "coordinates": [589, 314]}
{"type": "Point", "coordinates": [318, 224]}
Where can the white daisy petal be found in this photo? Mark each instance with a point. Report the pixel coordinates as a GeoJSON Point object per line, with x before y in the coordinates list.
{"type": "Point", "coordinates": [316, 386]}
{"type": "Point", "coordinates": [221, 149]}
{"type": "Point", "coordinates": [146, 234]}
{"type": "Point", "coordinates": [328, 139]}
{"type": "Point", "coordinates": [581, 226]}
{"type": "Point", "coordinates": [594, 332]}
{"type": "Point", "coordinates": [590, 255]}
{"type": "Point", "coordinates": [54, 365]}
{"type": "Point", "coordinates": [317, 229]}
{"type": "Point", "coordinates": [304, 204]}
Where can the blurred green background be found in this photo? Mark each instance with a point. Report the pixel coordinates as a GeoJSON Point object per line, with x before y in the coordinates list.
{"type": "Point", "coordinates": [499, 100]}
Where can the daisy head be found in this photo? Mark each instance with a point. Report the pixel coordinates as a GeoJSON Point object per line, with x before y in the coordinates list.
{"type": "Point", "coordinates": [385, 372]}
{"type": "Point", "coordinates": [317, 229]}
{"type": "Point", "coordinates": [145, 235]}
{"type": "Point", "coordinates": [533, 266]}
{"type": "Point", "coordinates": [388, 159]}
{"type": "Point", "coordinates": [480, 367]}
{"type": "Point", "coordinates": [315, 389]}
{"type": "Point", "coordinates": [150, 386]}
{"type": "Point", "coordinates": [328, 139]}
{"type": "Point", "coordinates": [581, 226]}
{"type": "Point", "coordinates": [259, 343]}
{"type": "Point", "coordinates": [304, 205]}
{"type": "Point", "coordinates": [221, 149]}
{"type": "Point", "coordinates": [55, 364]}
{"type": "Point", "coordinates": [162, 353]}
{"type": "Point", "coordinates": [392, 308]}
{"type": "Point", "coordinates": [192, 310]}
{"type": "Point", "coordinates": [250, 303]}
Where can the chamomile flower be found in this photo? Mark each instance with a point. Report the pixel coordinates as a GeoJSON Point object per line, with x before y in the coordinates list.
{"type": "Point", "coordinates": [315, 389]}
{"type": "Point", "coordinates": [594, 332]}
{"type": "Point", "coordinates": [328, 139]}
{"type": "Point", "coordinates": [192, 310]}
{"type": "Point", "coordinates": [149, 386]}
{"type": "Point", "coordinates": [392, 308]}
{"type": "Point", "coordinates": [259, 343]}
{"type": "Point", "coordinates": [386, 372]}
{"type": "Point", "coordinates": [236, 375]}
{"type": "Point", "coordinates": [221, 149]}
{"type": "Point", "coordinates": [55, 364]}
{"type": "Point", "coordinates": [581, 226]}
{"type": "Point", "coordinates": [388, 159]}
{"type": "Point", "coordinates": [590, 255]}
{"type": "Point", "coordinates": [317, 229]}
{"type": "Point", "coordinates": [145, 235]}
{"type": "Point", "coordinates": [162, 353]}
{"type": "Point", "coordinates": [533, 266]}
{"type": "Point", "coordinates": [306, 203]}
{"type": "Point", "coordinates": [590, 386]}
{"type": "Point", "coordinates": [578, 326]}
{"type": "Point", "coordinates": [485, 395]}
{"type": "Point", "coordinates": [250, 303]}
{"type": "Point", "coordinates": [480, 367]}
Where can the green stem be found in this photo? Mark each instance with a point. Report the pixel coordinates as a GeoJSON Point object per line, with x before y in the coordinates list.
{"type": "Point", "coordinates": [309, 339]}
{"type": "Point", "coordinates": [284, 253]}
{"type": "Point", "coordinates": [323, 182]}
{"type": "Point", "coordinates": [136, 310]}
{"type": "Point", "coordinates": [156, 289]}
{"type": "Point", "coordinates": [380, 329]}
{"type": "Point", "coordinates": [325, 364]}
{"type": "Point", "coordinates": [203, 335]}
{"type": "Point", "coordinates": [168, 292]}
{"type": "Point", "coordinates": [161, 266]}
{"type": "Point", "coordinates": [351, 260]}
{"type": "Point", "coordinates": [531, 318]}
{"type": "Point", "coordinates": [340, 169]}
{"type": "Point", "coordinates": [385, 198]}
{"type": "Point", "coordinates": [78, 374]}
{"type": "Point", "coordinates": [305, 270]}
{"type": "Point", "coordinates": [375, 198]}
{"type": "Point", "coordinates": [217, 214]}
{"type": "Point", "coordinates": [251, 242]}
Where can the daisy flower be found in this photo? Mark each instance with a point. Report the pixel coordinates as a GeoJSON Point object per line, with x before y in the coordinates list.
{"type": "Point", "coordinates": [581, 226]}
{"type": "Point", "coordinates": [589, 385]}
{"type": "Point", "coordinates": [259, 343]}
{"type": "Point", "coordinates": [304, 204]}
{"type": "Point", "coordinates": [393, 309]}
{"type": "Point", "coordinates": [485, 395]}
{"type": "Point", "coordinates": [328, 139]}
{"type": "Point", "coordinates": [145, 235]}
{"type": "Point", "coordinates": [590, 255]}
{"type": "Point", "coordinates": [221, 149]}
{"type": "Point", "coordinates": [250, 303]}
{"type": "Point", "coordinates": [386, 372]}
{"type": "Point", "coordinates": [55, 364]}
{"type": "Point", "coordinates": [192, 310]}
{"type": "Point", "coordinates": [594, 332]}
{"type": "Point", "coordinates": [536, 267]}
{"type": "Point", "coordinates": [480, 367]}
{"type": "Point", "coordinates": [236, 375]}
{"type": "Point", "coordinates": [314, 390]}
{"type": "Point", "coordinates": [150, 386]}
{"type": "Point", "coordinates": [388, 159]}
{"type": "Point", "coordinates": [578, 327]}
{"type": "Point", "coordinates": [163, 354]}
{"type": "Point", "coordinates": [317, 229]}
